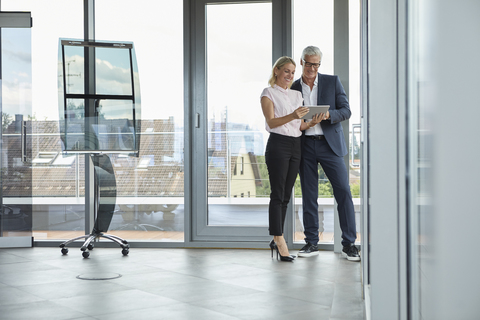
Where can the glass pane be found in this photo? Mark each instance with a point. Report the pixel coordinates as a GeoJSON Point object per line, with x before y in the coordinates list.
{"type": "Point", "coordinates": [421, 157]}
{"type": "Point", "coordinates": [304, 35]}
{"type": "Point", "coordinates": [354, 101]}
{"type": "Point", "coordinates": [75, 125]}
{"type": "Point", "coordinates": [115, 128]}
{"type": "Point", "coordinates": [16, 108]}
{"type": "Point", "coordinates": [113, 74]}
{"type": "Point", "coordinates": [150, 188]}
{"type": "Point", "coordinates": [112, 130]}
{"type": "Point", "coordinates": [238, 189]}
{"type": "Point", "coordinates": [74, 69]}
{"type": "Point", "coordinates": [57, 181]}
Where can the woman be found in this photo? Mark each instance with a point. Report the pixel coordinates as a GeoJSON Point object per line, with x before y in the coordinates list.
{"type": "Point", "coordinates": [283, 111]}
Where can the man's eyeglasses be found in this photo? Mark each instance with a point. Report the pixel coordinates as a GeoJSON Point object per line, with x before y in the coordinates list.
{"type": "Point", "coordinates": [309, 65]}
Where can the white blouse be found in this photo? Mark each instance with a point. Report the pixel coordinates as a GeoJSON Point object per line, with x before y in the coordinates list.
{"type": "Point", "coordinates": [284, 103]}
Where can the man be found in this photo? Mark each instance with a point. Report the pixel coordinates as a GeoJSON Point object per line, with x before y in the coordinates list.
{"type": "Point", "coordinates": [324, 143]}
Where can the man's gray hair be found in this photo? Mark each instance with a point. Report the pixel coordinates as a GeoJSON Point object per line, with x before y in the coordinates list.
{"type": "Point", "coordinates": [312, 51]}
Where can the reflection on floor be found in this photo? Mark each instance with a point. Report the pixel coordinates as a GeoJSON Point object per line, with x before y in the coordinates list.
{"type": "Point", "coordinates": [40, 283]}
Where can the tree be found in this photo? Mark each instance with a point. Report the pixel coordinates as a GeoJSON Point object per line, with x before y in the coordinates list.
{"type": "Point", "coordinates": [78, 111]}
{"type": "Point", "coordinates": [32, 118]}
{"type": "Point", "coordinates": [324, 188]}
{"type": "Point", "coordinates": [355, 189]}
{"type": "Point", "coordinates": [263, 190]}
{"type": "Point", "coordinates": [6, 120]}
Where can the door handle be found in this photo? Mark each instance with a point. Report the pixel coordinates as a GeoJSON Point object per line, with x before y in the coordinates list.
{"type": "Point", "coordinates": [23, 135]}
{"type": "Point", "coordinates": [197, 120]}
{"type": "Point", "coordinates": [352, 154]}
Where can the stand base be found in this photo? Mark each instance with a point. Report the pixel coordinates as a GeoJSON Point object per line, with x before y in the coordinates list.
{"type": "Point", "coordinates": [105, 193]}
{"type": "Point", "coordinates": [88, 245]}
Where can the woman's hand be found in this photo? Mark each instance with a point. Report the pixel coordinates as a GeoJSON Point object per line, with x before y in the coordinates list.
{"type": "Point", "coordinates": [300, 112]}
{"type": "Point", "coordinates": [272, 122]}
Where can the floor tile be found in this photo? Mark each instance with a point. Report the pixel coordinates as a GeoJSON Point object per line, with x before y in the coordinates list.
{"type": "Point", "coordinates": [321, 294]}
{"type": "Point", "coordinates": [273, 282]}
{"type": "Point", "coordinates": [9, 296]}
{"type": "Point", "coordinates": [21, 267]}
{"type": "Point", "coordinates": [347, 301]}
{"type": "Point", "coordinates": [38, 277]}
{"type": "Point", "coordinates": [257, 306]}
{"type": "Point", "coordinates": [179, 311]}
{"type": "Point", "coordinates": [72, 288]}
{"type": "Point", "coordinates": [7, 257]}
{"type": "Point", "coordinates": [320, 313]}
{"type": "Point", "coordinates": [167, 283]}
{"type": "Point", "coordinates": [198, 291]}
{"type": "Point", "coordinates": [39, 310]}
{"type": "Point", "coordinates": [115, 302]}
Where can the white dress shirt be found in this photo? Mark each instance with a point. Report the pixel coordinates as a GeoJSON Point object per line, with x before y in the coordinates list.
{"type": "Point", "coordinates": [284, 103]}
{"type": "Point", "coordinates": [310, 99]}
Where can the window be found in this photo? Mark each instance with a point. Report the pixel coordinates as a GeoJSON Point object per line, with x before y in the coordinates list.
{"type": "Point", "coordinates": [150, 188]}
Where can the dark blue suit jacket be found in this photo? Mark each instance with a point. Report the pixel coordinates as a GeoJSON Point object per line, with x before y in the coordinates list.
{"type": "Point", "coordinates": [331, 92]}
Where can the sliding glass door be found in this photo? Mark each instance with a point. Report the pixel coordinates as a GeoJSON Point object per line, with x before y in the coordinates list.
{"type": "Point", "coordinates": [233, 60]}
{"type": "Point", "coordinates": [16, 146]}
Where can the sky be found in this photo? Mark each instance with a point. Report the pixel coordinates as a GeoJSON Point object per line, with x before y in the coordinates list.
{"type": "Point", "coordinates": [16, 72]}
{"type": "Point", "coordinates": [238, 53]}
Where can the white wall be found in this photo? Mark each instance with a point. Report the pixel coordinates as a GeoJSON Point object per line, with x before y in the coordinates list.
{"type": "Point", "coordinates": [453, 72]}
{"type": "Point", "coordinates": [444, 272]}
{"type": "Point", "coordinates": [385, 159]}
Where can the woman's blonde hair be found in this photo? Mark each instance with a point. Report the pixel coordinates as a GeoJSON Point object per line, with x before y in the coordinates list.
{"type": "Point", "coordinates": [278, 64]}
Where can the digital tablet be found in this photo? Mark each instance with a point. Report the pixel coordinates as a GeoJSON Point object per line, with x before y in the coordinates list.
{"type": "Point", "coordinates": [313, 110]}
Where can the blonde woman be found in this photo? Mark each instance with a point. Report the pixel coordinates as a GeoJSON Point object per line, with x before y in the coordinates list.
{"type": "Point", "coordinates": [283, 111]}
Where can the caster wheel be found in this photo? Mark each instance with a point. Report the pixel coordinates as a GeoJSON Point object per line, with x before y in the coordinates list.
{"type": "Point", "coordinates": [125, 252]}
{"type": "Point", "coordinates": [85, 254]}
{"type": "Point", "coordinates": [64, 250]}
{"type": "Point", "coordinates": [90, 246]}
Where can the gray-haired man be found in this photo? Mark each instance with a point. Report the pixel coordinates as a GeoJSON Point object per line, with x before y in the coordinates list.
{"type": "Point", "coordinates": [324, 144]}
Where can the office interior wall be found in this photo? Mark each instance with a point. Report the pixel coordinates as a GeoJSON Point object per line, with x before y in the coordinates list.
{"type": "Point", "coordinates": [453, 82]}
{"type": "Point", "coordinates": [445, 279]}
{"type": "Point", "coordinates": [385, 159]}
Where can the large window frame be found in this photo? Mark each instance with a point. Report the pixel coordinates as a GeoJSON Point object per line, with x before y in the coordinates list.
{"type": "Point", "coordinates": [197, 232]}
{"type": "Point", "coordinates": [201, 234]}
{"type": "Point", "coordinates": [18, 206]}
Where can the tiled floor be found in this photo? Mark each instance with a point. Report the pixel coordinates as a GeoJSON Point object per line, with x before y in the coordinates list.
{"type": "Point", "coordinates": [197, 284]}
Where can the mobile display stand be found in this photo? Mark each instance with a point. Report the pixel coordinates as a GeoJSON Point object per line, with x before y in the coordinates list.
{"type": "Point", "coordinates": [99, 109]}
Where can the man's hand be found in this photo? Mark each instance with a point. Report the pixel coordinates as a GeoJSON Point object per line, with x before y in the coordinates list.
{"type": "Point", "coordinates": [326, 115]}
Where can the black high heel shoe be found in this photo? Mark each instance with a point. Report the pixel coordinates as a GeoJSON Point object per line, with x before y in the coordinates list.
{"type": "Point", "coordinates": [284, 258]}
{"type": "Point", "coordinates": [273, 246]}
